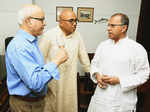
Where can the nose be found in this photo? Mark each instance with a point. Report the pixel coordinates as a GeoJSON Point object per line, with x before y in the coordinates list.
{"type": "Point", "coordinates": [74, 23]}
{"type": "Point", "coordinates": [108, 28]}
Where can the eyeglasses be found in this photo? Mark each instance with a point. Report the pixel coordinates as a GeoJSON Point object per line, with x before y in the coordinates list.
{"type": "Point", "coordinates": [71, 20]}
{"type": "Point", "coordinates": [113, 25]}
{"type": "Point", "coordinates": [39, 19]}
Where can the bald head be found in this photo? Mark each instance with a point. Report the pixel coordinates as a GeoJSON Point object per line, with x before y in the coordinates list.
{"type": "Point", "coordinates": [65, 14]}
{"type": "Point", "coordinates": [68, 21]}
{"type": "Point", "coordinates": [27, 11]}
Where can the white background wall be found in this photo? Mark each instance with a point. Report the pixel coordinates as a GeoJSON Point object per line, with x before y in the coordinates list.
{"type": "Point", "coordinates": [8, 19]}
{"type": "Point", "coordinates": [92, 33]}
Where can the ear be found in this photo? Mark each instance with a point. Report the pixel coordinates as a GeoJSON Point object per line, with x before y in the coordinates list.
{"type": "Point", "coordinates": [28, 21]}
{"type": "Point", "coordinates": [60, 23]}
{"type": "Point", "coordinates": [124, 28]}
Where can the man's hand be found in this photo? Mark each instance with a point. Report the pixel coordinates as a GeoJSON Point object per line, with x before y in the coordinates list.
{"type": "Point", "coordinates": [112, 80]}
{"type": "Point", "coordinates": [60, 57]}
{"type": "Point", "coordinates": [100, 82]}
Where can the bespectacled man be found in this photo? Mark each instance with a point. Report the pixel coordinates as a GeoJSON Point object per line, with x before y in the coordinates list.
{"type": "Point", "coordinates": [119, 66]}
{"type": "Point", "coordinates": [63, 93]}
{"type": "Point", "coordinates": [27, 75]}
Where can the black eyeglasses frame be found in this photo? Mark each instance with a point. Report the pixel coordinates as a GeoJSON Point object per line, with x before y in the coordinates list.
{"type": "Point", "coordinates": [113, 25]}
{"type": "Point", "coordinates": [39, 19]}
{"type": "Point", "coordinates": [70, 20]}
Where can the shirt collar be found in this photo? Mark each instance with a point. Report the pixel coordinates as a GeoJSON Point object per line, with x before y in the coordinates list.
{"type": "Point", "coordinates": [121, 40]}
{"type": "Point", "coordinates": [27, 36]}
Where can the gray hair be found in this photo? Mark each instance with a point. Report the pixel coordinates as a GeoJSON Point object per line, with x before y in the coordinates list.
{"type": "Point", "coordinates": [24, 13]}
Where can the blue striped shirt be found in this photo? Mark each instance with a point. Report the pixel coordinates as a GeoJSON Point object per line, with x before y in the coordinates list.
{"type": "Point", "coordinates": [26, 72]}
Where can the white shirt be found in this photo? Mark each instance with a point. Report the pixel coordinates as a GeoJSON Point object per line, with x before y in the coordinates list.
{"type": "Point", "coordinates": [127, 60]}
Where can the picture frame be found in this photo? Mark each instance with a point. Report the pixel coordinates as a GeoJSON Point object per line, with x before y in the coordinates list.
{"type": "Point", "coordinates": [59, 9]}
{"type": "Point", "coordinates": [85, 14]}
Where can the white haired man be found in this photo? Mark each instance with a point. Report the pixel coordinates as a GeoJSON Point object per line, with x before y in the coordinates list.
{"type": "Point", "coordinates": [27, 75]}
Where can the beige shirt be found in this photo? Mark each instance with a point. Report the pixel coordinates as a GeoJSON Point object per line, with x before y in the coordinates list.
{"type": "Point", "coordinates": [65, 90]}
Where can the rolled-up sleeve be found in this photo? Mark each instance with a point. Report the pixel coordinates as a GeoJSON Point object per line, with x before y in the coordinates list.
{"type": "Point", "coordinates": [54, 72]}
{"type": "Point", "coordinates": [34, 75]}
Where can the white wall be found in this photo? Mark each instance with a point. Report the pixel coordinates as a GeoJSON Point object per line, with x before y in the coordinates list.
{"type": "Point", "coordinates": [92, 33]}
{"type": "Point", "coordinates": [8, 26]}
{"type": "Point", "coordinates": [8, 19]}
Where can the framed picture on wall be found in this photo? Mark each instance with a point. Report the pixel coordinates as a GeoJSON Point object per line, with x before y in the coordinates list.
{"type": "Point", "coordinates": [59, 9]}
{"type": "Point", "coordinates": [85, 14]}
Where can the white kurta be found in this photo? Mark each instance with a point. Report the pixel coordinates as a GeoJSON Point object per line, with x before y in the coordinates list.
{"type": "Point", "coordinates": [126, 60]}
{"type": "Point", "coordinates": [62, 94]}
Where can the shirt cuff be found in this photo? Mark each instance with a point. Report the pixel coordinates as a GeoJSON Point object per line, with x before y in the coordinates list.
{"type": "Point", "coordinates": [93, 78]}
{"type": "Point", "coordinates": [124, 84]}
{"type": "Point", "coordinates": [53, 71]}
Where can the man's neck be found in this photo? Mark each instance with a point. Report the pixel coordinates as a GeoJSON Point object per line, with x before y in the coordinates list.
{"type": "Point", "coordinates": [121, 37]}
{"type": "Point", "coordinates": [26, 29]}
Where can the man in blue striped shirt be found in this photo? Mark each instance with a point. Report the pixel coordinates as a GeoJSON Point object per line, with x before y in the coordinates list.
{"type": "Point", "coordinates": [27, 75]}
